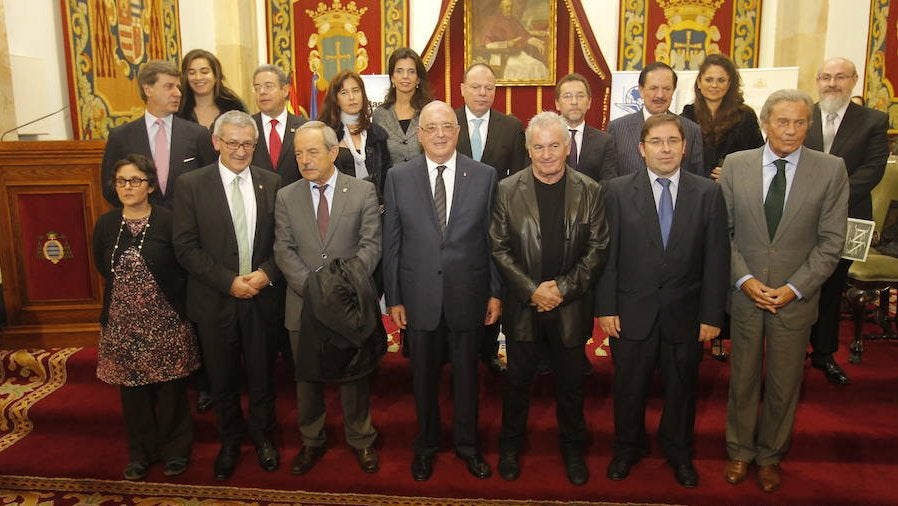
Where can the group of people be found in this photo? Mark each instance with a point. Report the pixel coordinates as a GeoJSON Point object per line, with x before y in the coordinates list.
{"type": "Point", "coordinates": [671, 230]}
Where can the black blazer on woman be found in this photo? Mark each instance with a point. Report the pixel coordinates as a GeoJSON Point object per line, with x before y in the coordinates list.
{"type": "Point", "coordinates": [157, 252]}
{"type": "Point", "coordinates": [377, 158]}
{"type": "Point", "coordinates": [746, 134]}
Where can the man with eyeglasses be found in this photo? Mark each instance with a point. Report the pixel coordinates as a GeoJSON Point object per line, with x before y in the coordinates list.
{"type": "Point", "coordinates": [787, 208]}
{"type": "Point", "coordinates": [496, 139]}
{"type": "Point", "coordinates": [439, 280]}
{"type": "Point", "coordinates": [592, 150]}
{"type": "Point", "coordinates": [859, 136]}
{"type": "Point", "coordinates": [176, 146]}
{"type": "Point", "coordinates": [662, 294]}
{"type": "Point", "coordinates": [223, 237]}
{"type": "Point", "coordinates": [277, 126]}
{"type": "Point", "coordinates": [549, 238]}
{"type": "Point", "coordinates": [657, 83]}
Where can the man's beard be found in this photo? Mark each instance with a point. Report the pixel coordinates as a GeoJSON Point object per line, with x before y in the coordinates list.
{"type": "Point", "coordinates": [833, 104]}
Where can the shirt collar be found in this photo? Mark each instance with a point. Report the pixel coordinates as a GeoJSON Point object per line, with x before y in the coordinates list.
{"type": "Point", "coordinates": [674, 178]}
{"type": "Point", "coordinates": [227, 175]}
{"type": "Point", "coordinates": [151, 120]}
{"type": "Point", "coordinates": [282, 118]}
{"type": "Point", "coordinates": [840, 112]}
{"type": "Point", "coordinates": [331, 181]}
{"type": "Point", "coordinates": [432, 165]}
{"type": "Point", "coordinates": [579, 128]}
{"type": "Point", "coordinates": [769, 156]}
{"type": "Point", "coordinates": [470, 115]}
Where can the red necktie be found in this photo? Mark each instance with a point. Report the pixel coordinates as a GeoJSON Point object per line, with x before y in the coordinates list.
{"type": "Point", "coordinates": [274, 144]}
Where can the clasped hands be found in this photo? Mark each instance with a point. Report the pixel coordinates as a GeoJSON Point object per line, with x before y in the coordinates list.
{"type": "Point", "coordinates": [766, 298]}
{"type": "Point", "coordinates": [546, 297]}
{"type": "Point", "coordinates": [249, 285]}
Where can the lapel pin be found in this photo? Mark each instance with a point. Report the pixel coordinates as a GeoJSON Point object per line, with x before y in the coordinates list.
{"type": "Point", "coordinates": [464, 174]}
{"type": "Point", "coordinates": [344, 189]}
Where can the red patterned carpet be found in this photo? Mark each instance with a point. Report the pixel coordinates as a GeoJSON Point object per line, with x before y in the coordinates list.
{"type": "Point", "coordinates": [845, 449]}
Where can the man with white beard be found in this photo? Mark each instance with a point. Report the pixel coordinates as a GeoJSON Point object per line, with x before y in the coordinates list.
{"type": "Point", "coordinates": [857, 135]}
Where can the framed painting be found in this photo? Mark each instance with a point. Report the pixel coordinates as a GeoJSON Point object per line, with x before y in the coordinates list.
{"type": "Point", "coordinates": [514, 37]}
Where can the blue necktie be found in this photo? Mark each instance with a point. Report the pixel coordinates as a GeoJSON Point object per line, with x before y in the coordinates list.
{"type": "Point", "coordinates": [665, 209]}
{"type": "Point", "coordinates": [476, 139]}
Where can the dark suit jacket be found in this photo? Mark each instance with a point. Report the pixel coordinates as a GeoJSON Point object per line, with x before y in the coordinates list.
{"type": "Point", "coordinates": [429, 274]}
{"type": "Point", "coordinates": [746, 134]}
{"type": "Point", "coordinates": [626, 131]}
{"type": "Point", "coordinates": [206, 246]}
{"type": "Point", "coordinates": [287, 166]}
{"type": "Point", "coordinates": [862, 142]}
{"type": "Point", "coordinates": [504, 149]}
{"type": "Point", "coordinates": [679, 287]}
{"type": "Point", "coordinates": [191, 147]}
{"type": "Point", "coordinates": [517, 251]}
{"type": "Point", "coordinates": [598, 157]}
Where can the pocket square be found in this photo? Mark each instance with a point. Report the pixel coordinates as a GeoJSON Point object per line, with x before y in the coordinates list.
{"type": "Point", "coordinates": [192, 158]}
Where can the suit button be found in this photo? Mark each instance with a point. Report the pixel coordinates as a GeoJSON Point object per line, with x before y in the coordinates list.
{"type": "Point", "coordinates": [405, 142]}
{"type": "Point", "coordinates": [324, 256]}
{"type": "Point", "coordinates": [440, 273]}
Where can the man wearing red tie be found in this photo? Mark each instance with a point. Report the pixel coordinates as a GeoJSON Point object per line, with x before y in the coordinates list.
{"type": "Point", "coordinates": [271, 87]}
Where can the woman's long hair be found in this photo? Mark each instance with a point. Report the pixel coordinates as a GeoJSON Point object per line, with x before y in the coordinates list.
{"type": "Point", "coordinates": [730, 108]}
{"type": "Point", "coordinates": [422, 94]}
{"type": "Point", "coordinates": [330, 108]}
{"type": "Point", "coordinates": [219, 91]}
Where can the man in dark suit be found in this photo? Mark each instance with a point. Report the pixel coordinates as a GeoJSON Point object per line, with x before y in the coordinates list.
{"type": "Point", "coordinates": [175, 145]}
{"type": "Point", "coordinates": [859, 136]}
{"type": "Point", "coordinates": [271, 88]}
{"type": "Point", "coordinates": [327, 215]}
{"type": "Point", "coordinates": [787, 209]}
{"type": "Point", "coordinates": [592, 150]}
{"type": "Point", "coordinates": [662, 294]}
{"type": "Point", "coordinates": [496, 139]}
{"type": "Point", "coordinates": [223, 236]}
{"type": "Point", "coordinates": [549, 237]}
{"type": "Point", "coordinates": [439, 280]}
{"type": "Point", "coordinates": [657, 83]}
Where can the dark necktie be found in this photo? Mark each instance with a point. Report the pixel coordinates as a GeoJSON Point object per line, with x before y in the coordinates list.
{"type": "Point", "coordinates": [776, 197]}
{"type": "Point", "coordinates": [274, 144]}
{"type": "Point", "coordinates": [323, 213]}
{"type": "Point", "coordinates": [665, 209]}
{"type": "Point", "coordinates": [439, 198]}
{"type": "Point", "coordinates": [572, 157]}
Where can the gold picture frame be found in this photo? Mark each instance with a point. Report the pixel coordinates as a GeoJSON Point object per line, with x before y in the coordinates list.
{"type": "Point", "coordinates": [514, 37]}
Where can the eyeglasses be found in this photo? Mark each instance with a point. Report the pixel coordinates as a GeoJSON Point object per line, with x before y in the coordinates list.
{"type": "Point", "coordinates": [443, 127]}
{"type": "Point", "coordinates": [134, 182]}
{"type": "Point", "coordinates": [657, 142]}
{"type": "Point", "coordinates": [234, 145]}
{"type": "Point", "coordinates": [839, 78]}
{"type": "Point", "coordinates": [570, 97]}
{"type": "Point", "coordinates": [267, 88]}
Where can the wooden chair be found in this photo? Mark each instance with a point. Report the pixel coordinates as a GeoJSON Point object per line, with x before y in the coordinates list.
{"type": "Point", "coordinates": [873, 280]}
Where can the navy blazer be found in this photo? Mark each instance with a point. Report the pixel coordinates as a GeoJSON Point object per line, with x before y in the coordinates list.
{"type": "Point", "coordinates": [598, 156]}
{"type": "Point", "coordinates": [679, 287]}
{"type": "Point", "coordinates": [626, 131]}
{"type": "Point", "coordinates": [862, 142]}
{"type": "Point", "coordinates": [191, 148]}
{"type": "Point", "coordinates": [429, 274]}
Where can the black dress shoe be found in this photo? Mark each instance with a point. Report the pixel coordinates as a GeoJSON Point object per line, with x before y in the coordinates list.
{"type": "Point", "coordinates": [477, 466]}
{"type": "Point", "coordinates": [368, 460]}
{"type": "Point", "coordinates": [203, 401]}
{"type": "Point", "coordinates": [136, 470]}
{"type": "Point", "coordinates": [509, 469]}
{"type": "Point", "coordinates": [619, 467]}
{"type": "Point", "coordinates": [422, 467]}
{"type": "Point", "coordinates": [226, 462]}
{"type": "Point", "coordinates": [306, 459]}
{"type": "Point", "coordinates": [575, 467]}
{"type": "Point", "coordinates": [175, 466]}
{"type": "Point", "coordinates": [685, 474]}
{"type": "Point", "coordinates": [832, 371]}
{"type": "Point", "coordinates": [494, 365]}
{"type": "Point", "coordinates": [268, 455]}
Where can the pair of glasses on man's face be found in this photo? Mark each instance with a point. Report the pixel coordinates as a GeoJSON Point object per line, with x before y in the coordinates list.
{"type": "Point", "coordinates": [134, 182]}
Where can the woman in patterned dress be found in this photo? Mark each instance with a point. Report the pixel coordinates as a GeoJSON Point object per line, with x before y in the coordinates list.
{"type": "Point", "coordinates": [147, 346]}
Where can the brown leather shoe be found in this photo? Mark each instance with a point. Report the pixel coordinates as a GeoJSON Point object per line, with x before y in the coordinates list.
{"type": "Point", "coordinates": [769, 477]}
{"type": "Point", "coordinates": [736, 471]}
{"type": "Point", "coordinates": [368, 460]}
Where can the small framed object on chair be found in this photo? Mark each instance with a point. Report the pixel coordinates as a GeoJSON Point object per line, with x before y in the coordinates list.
{"type": "Point", "coordinates": [857, 239]}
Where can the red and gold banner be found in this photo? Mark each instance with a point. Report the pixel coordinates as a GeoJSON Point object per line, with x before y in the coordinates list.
{"type": "Point", "coordinates": [106, 43]}
{"type": "Point", "coordinates": [682, 32]}
{"type": "Point", "coordinates": [882, 61]}
{"type": "Point", "coordinates": [314, 40]}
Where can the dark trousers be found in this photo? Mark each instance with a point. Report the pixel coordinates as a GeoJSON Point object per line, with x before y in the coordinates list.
{"type": "Point", "coordinates": [489, 345]}
{"type": "Point", "coordinates": [634, 365]}
{"type": "Point", "coordinates": [157, 419]}
{"type": "Point", "coordinates": [567, 364]}
{"type": "Point", "coordinates": [427, 355]}
{"type": "Point", "coordinates": [356, 402]}
{"type": "Point", "coordinates": [246, 348]}
{"type": "Point", "coordinates": [825, 333]}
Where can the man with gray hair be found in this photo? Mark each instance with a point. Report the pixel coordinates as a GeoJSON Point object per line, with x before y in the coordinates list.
{"type": "Point", "coordinates": [271, 88]}
{"type": "Point", "coordinates": [859, 136]}
{"type": "Point", "coordinates": [549, 239]}
{"type": "Point", "coordinates": [223, 235]}
{"type": "Point", "coordinates": [787, 208]}
{"type": "Point", "coordinates": [176, 146]}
